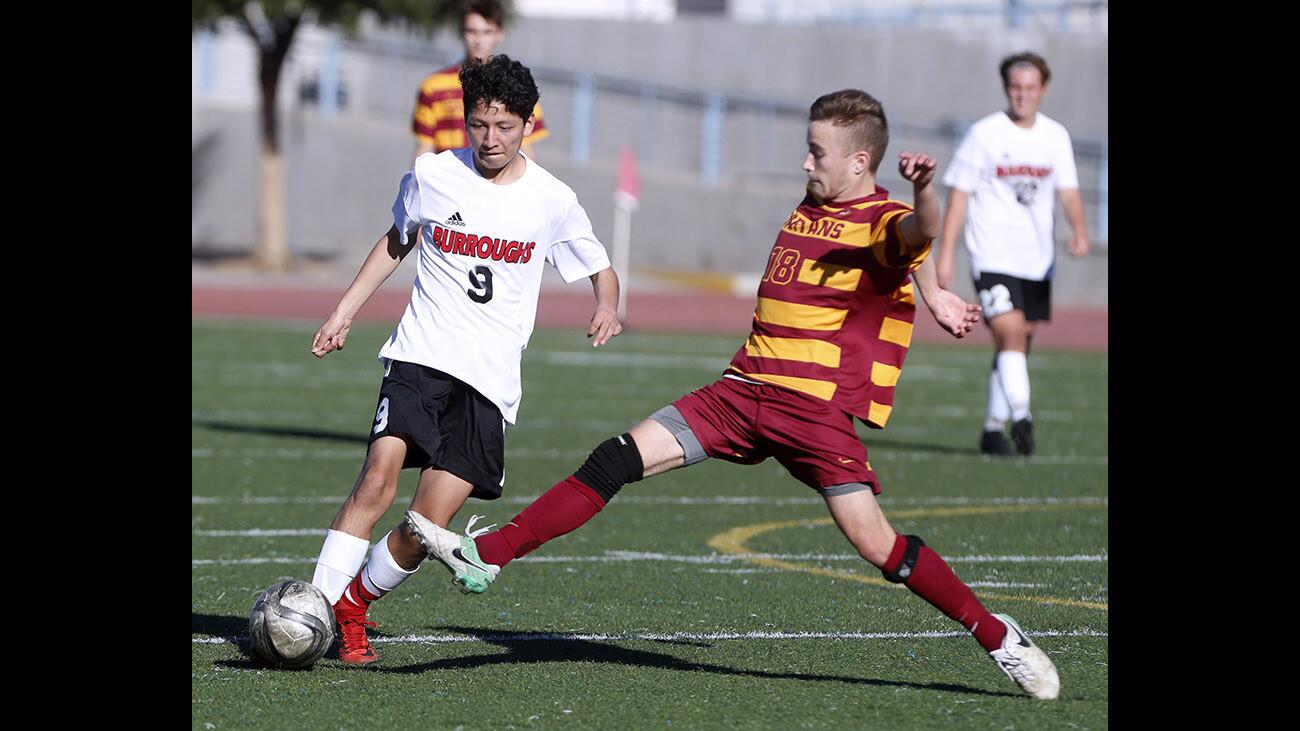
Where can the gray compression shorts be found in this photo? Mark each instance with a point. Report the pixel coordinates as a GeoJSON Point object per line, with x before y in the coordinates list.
{"type": "Point", "coordinates": [671, 419]}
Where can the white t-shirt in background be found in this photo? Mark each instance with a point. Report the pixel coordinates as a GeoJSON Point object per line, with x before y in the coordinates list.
{"type": "Point", "coordinates": [1012, 175]}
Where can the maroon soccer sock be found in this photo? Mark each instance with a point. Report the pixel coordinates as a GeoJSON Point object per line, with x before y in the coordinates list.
{"type": "Point", "coordinates": [933, 580]}
{"type": "Point", "coordinates": [559, 510]}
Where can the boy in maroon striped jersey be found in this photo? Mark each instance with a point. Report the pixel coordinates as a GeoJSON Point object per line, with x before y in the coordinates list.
{"type": "Point", "coordinates": [830, 332]}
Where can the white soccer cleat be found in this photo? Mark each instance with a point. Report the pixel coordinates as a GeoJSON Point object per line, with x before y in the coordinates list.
{"type": "Point", "coordinates": [1025, 663]}
{"type": "Point", "coordinates": [458, 553]}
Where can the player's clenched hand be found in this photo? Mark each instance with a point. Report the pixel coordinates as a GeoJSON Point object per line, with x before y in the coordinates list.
{"type": "Point", "coordinates": [604, 326]}
{"type": "Point", "coordinates": [917, 167]}
{"type": "Point", "coordinates": [331, 336]}
{"type": "Point", "coordinates": [953, 314]}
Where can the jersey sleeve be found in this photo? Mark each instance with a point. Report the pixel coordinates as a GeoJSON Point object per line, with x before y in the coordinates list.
{"type": "Point", "coordinates": [407, 209]}
{"type": "Point", "coordinates": [1067, 175]}
{"type": "Point", "coordinates": [888, 244]}
{"type": "Point", "coordinates": [575, 252]}
{"type": "Point", "coordinates": [964, 171]}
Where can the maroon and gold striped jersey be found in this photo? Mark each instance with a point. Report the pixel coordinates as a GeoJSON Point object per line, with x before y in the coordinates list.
{"type": "Point", "coordinates": [440, 113]}
{"type": "Point", "coordinates": [836, 306]}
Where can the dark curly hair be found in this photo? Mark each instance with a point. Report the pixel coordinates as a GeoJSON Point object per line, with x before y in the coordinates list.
{"type": "Point", "coordinates": [499, 80]}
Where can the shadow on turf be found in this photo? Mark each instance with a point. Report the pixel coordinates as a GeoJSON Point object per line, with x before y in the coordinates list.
{"type": "Point", "coordinates": [218, 625]}
{"type": "Point", "coordinates": [572, 650]}
{"type": "Point", "coordinates": [873, 443]}
{"type": "Point", "coordinates": [284, 431]}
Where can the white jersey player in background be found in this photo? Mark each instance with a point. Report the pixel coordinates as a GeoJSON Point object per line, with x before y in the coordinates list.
{"type": "Point", "coordinates": [1007, 167]}
{"type": "Point", "coordinates": [485, 219]}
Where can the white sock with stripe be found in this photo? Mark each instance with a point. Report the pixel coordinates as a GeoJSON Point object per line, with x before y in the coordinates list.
{"type": "Point", "coordinates": [340, 558]}
{"type": "Point", "coordinates": [1013, 371]}
{"type": "Point", "coordinates": [383, 573]}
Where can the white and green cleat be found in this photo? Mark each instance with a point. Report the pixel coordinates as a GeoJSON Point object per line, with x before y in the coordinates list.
{"type": "Point", "coordinates": [457, 553]}
{"type": "Point", "coordinates": [1025, 663]}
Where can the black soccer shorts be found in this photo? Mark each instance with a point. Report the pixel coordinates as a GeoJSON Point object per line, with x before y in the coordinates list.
{"type": "Point", "coordinates": [446, 423]}
{"type": "Point", "coordinates": [1002, 293]}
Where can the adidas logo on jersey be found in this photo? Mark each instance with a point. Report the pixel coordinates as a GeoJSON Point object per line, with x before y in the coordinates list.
{"type": "Point", "coordinates": [455, 220]}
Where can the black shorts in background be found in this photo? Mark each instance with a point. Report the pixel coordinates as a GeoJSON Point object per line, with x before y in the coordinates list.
{"type": "Point", "coordinates": [1002, 293]}
{"type": "Point", "coordinates": [447, 424]}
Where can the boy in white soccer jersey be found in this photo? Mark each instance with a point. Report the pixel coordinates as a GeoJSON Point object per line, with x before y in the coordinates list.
{"type": "Point", "coordinates": [1007, 167]}
{"type": "Point", "coordinates": [485, 219]}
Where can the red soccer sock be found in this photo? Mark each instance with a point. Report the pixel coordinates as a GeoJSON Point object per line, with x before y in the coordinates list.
{"type": "Point", "coordinates": [934, 581]}
{"type": "Point", "coordinates": [559, 510]}
{"type": "Point", "coordinates": [356, 594]}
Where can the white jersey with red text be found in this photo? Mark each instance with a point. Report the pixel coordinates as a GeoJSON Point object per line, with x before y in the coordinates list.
{"type": "Point", "coordinates": [483, 245]}
{"type": "Point", "coordinates": [1012, 175]}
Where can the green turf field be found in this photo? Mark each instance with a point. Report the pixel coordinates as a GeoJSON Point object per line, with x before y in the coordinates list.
{"type": "Point", "coordinates": [716, 596]}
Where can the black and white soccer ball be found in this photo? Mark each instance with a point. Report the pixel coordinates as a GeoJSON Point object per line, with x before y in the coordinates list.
{"type": "Point", "coordinates": [292, 625]}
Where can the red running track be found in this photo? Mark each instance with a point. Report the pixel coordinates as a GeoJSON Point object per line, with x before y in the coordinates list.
{"type": "Point", "coordinates": [1070, 329]}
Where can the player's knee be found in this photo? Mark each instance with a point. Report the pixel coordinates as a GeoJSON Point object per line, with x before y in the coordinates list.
{"type": "Point", "coordinates": [611, 465]}
{"type": "Point", "coordinates": [905, 567]}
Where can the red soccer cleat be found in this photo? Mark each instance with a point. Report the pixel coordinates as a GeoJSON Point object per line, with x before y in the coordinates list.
{"type": "Point", "coordinates": [354, 645]}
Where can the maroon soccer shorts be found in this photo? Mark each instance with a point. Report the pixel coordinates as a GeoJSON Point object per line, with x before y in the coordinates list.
{"type": "Point", "coordinates": [745, 423]}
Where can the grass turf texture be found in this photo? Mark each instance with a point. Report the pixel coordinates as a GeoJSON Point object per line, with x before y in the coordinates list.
{"type": "Point", "coordinates": [278, 438]}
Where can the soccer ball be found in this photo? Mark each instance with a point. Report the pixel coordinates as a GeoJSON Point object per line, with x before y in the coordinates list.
{"type": "Point", "coordinates": [292, 624]}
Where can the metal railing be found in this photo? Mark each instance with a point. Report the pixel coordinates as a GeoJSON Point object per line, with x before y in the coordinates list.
{"type": "Point", "coordinates": [713, 137]}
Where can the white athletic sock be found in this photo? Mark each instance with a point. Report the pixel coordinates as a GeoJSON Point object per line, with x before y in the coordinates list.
{"type": "Point", "coordinates": [1013, 371]}
{"type": "Point", "coordinates": [998, 411]}
{"type": "Point", "coordinates": [340, 558]}
{"type": "Point", "coordinates": [382, 573]}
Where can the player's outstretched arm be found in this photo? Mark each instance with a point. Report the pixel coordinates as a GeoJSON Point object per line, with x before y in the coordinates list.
{"type": "Point", "coordinates": [1073, 204]}
{"type": "Point", "coordinates": [604, 323]}
{"type": "Point", "coordinates": [922, 226]}
{"type": "Point", "coordinates": [381, 263]}
{"type": "Point", "coordinates": [953, 221]}
{"type": "Point", "coordinates": [955, 315]}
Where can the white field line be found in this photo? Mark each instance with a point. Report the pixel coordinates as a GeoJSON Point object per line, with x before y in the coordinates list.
{"type": "Point", "coordinates": [901, 455]}
{"type": "Point", "coordinates": [578, 420]}
{"type": "Point", "coordinates": [358, 453]}
{"type": "Point", "coordinates": [670, 636]}
{"type": "Point", "coordinates": [671, 500]}
{"type": "Point", "coordinates": [703, 559]}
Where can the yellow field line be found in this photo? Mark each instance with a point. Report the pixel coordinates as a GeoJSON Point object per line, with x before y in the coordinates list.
{"type": "Point", "coordinates": [733, 542]}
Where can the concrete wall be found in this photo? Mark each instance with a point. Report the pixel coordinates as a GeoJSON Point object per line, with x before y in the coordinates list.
{"type": "Point", "coordinates": [343, 171]}
{"type": "Point", "coordinates": [922, 75]}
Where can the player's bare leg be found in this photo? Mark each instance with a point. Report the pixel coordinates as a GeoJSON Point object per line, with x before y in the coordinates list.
{"type": "Point", "coordinates": [438, 497]}
{"type": "Point", "coordinates": [348, 539]}
{"type": "Point", "coordinates": [476, 558]}
{"type": "Point", "coordinates": [907, 560]}
{"type": "Point", "coordinates": [659, 449]}
{"type": "Point", "coordinates": [339, 572]}
{"type": "Point", "coordinates": [1011, 336]}
{"type": "Point", "coordinates": [375, 489]}
{"type": "Point", "coordinates": [860, 519]}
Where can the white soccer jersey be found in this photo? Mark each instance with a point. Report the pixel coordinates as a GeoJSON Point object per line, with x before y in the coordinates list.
{"type": "Point", "coordinates": [1012, 175]}
{"type": "Point", "coordinates": [474, 303]}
